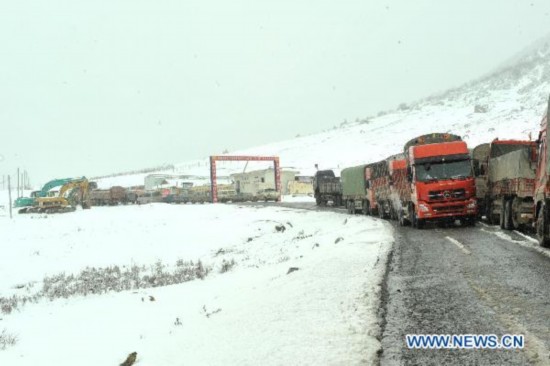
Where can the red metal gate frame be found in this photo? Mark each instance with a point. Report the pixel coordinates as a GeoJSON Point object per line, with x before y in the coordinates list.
{"type": "Point", "coordinates": [213, 175]}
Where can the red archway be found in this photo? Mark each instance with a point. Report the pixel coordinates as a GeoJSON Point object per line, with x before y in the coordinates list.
{"type": "Point", "coordinates": [213, 176]}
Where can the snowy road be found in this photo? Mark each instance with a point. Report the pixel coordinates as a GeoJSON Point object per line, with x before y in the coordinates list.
{"type": "Point", "coordinates": [478, 280]}
{"type": "Point", "coordinates": [467, 281]}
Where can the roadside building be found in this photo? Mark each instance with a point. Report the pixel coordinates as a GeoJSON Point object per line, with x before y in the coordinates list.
{"type": "Point", "coordinates": [301, 186]}
{"type": "Point", "coordinates": [260, 180]}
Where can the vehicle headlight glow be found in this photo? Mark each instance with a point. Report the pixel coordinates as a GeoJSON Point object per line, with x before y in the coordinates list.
{"type": "Point", "coordinates": [423, 207]}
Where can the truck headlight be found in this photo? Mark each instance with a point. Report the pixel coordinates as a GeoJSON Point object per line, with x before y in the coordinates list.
{"type": "Point", "coordinates": [423, 207]}
{"type": "Point", "coordinates": [472, 205]}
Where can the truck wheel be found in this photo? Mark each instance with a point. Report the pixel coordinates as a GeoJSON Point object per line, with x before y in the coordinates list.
{"type": "Point", "coordinates": [416, 222]}
{"type": "Point", "coordinates": [502, 214]}
{"type": "Point", "coordinates": [419, 222]}
{"type": "Point", "coordinates": [381, 212]}
{"type": "Point", "coordinates": [366, 208]}
{"type": "Point", "coordinates": [394, 215]}
{"type": "Point", "coordinates": [515, 212]}
{"type": "Point", "coordinates": [492, 219]}
{"type": "Point", "coordinates": [351, 207]}
{"type": "Point", "coordinates": [542, 227]}
{"type": "Point", "coordinates": [401, 217]}
{"type": "Point", "coordinates": [470, 221]}
{"type": "Point", "coordinates": [507, 213]}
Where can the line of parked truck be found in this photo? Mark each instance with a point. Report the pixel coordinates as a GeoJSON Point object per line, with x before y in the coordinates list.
{"type": "Point", "coordinates": [436, 178]}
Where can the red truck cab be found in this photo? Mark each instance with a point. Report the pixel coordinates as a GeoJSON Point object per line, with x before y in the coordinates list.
{"type": "Point", "coordinates": [442, 183]}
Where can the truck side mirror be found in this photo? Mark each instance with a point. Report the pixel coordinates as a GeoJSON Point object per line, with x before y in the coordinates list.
{"type": "Point", "coordinates": [367, 184]}
{"type": "Point", "coordinates": [409, 174]}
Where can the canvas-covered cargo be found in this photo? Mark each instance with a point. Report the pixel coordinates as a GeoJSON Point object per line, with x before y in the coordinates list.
{"type": "Point", "coordinates": [432, 138]}
{"type": "Point", "coordinates": [514, 165]}
{"type": "Point", "coordinates": [354, 181]}
{"type": "Point", "coordinates": [377, 170]}
{"type": "Point", "coordinates": [500, 149]}
{"type": "Point", "coordinates": [481, 152]}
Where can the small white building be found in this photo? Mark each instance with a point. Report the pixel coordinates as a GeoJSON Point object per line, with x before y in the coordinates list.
{"type": "Point", "coordinates": [156, 181]}
{"type": "Point", "coordinates": [254, 181]}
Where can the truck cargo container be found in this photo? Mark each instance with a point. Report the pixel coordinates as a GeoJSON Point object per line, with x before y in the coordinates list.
{"type": "Point", "coordinates": [480, 158]}
{"type": "Point", "coordinates": [508, 176]}
{"type": "Point", "coordinates": [112, 196]}
{"type": "Point", "coordinates": [378, 189]}
{"type": "Point", "coordinates": [439, 171]}
{"type": "Point", "coordinates": [542, 185]}
{"type": "Point", "coordinates": [400, 189]}
{"type": "Point", "coordinates": [355, 195]}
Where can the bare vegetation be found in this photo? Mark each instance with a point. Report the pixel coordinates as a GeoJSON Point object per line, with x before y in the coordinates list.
{"type": "Point", "coordinates": [101, 280]}
{"type": "Point", "coordinates": [7, 340]}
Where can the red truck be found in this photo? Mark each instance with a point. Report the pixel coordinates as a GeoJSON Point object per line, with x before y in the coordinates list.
{"type": "Point", "coordinates": [387, 186]}
{"type": "Point", "coordinates": [439, 172]}
{"type": "Point", "coordinates": [400, 189]}
{"type": "Point", "coordinates": [542, 186]}
{"type": "Point", "coordinates": [507, 174]}
{"type": "Point", "coordinates": [378, 189]}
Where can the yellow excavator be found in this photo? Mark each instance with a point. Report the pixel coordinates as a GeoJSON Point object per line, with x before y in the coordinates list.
{"type": "Point", "coordinates": [76, 192]}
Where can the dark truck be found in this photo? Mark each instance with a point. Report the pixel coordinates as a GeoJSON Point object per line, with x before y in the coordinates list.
{"type": "Point", "coordinates": [327, 187]}
{"type": "Point", "coordinates": [507, 173]}
{"type": "Point", "coordinates": [542, 185]}
{"type": "Point", "coordinates": [480, 159]}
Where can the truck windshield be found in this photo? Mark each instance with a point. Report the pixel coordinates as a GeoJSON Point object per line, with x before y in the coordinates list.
{"type": "Point", "coordinates": [444, 170]}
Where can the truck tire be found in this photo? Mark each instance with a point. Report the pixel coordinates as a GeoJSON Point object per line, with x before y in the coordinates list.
{"type": "Point", "coordinates": [416, 222]}
{"type": "Point", "coordinates": [381, 214]}
{"type": "Point", "coordinates": [501, 216]}
{"type": "Point", "coordinates": [543, 235]}
{"type": "Point", "coordinates": [515, 212]}
{"type": "Point", "coordinates": [366, 207]}
{"type": "Point", "coordinates": [401, 217]}
{"type": "Point", "coordinates": [351, 207]}
{"type": "Point", "coordinates": [507, 213]}
{"type": "Point", "coordinates": [393, 213]}
{"type": "Point", "coordinates": [492, 219]}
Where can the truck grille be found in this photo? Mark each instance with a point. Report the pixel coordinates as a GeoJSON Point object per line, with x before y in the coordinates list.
{"type": "Point", "coordinates": [447, 194]}
{"type": "Point", "coordinates": [447, 209]}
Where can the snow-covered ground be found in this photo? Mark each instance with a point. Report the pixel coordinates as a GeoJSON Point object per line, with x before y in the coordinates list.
{"type": "Point", "coordinates": [247, 310]}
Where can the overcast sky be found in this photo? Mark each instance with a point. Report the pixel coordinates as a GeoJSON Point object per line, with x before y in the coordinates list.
{"type": "Point", "coordinates": [94, 87]}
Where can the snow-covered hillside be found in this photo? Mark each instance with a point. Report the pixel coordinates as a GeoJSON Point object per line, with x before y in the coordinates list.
{"type": "Point", "coordinates": [509, 103]}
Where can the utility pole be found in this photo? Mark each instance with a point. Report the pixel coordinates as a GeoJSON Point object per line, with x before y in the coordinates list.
{"type": "Point", "coordinates": [18, 183]}
{"type": "Point", "coordinates": [9, 194]}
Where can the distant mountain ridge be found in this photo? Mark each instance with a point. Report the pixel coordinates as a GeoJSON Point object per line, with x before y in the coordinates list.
{"type": "Point", "coordinates": [508, 102]}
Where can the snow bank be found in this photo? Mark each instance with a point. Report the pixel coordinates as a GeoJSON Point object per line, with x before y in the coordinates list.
{"type": "Point", "coordinates": [323, 312]}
